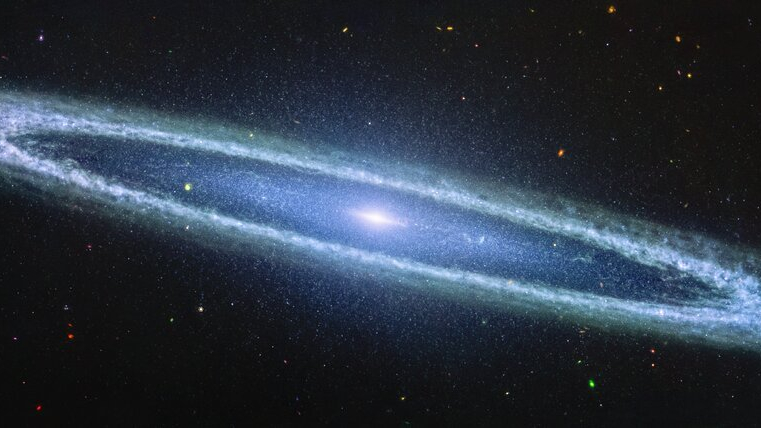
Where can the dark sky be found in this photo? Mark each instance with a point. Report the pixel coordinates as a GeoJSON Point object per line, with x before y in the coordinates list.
{"type": "Point", "coordinates": [655, 106]}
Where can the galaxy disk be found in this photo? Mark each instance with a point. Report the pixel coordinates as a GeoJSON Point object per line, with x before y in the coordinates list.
{"type": "Point", "coordinates": [464, 239]}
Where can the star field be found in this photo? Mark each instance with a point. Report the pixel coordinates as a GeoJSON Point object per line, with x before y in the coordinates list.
{"type": "Point", "coordinates": [450, 213]}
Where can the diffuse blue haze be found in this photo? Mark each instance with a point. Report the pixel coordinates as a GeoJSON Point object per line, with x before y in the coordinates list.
{"type": "Point", "coordinates": [522, 251]}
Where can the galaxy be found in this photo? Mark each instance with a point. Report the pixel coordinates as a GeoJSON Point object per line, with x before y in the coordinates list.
{"type": "Point", "coordinates": [656, 278]}
{"type": "Point", "coordinates": [308, 263]}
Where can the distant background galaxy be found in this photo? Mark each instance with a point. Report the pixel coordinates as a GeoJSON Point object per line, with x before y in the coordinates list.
{"type": "Point", "coordinates": [280, 213]}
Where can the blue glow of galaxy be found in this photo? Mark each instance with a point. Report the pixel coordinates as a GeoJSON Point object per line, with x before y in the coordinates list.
{"type": "Point", "coordinates": [518, 250]}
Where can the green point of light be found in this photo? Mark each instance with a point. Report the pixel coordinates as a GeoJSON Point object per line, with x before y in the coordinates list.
{"type": "Point", "coordinates": [592, 383]}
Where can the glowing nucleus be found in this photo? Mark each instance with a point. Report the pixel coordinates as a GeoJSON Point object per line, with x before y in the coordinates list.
{"type": "Point", "coordinates": [378, 218]}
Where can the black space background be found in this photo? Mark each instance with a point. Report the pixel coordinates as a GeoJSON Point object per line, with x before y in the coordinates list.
{"type": "Point", "coordinates": [281, 345]}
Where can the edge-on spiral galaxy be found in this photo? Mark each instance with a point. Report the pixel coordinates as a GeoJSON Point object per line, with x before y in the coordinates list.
{"type": "Point", "coordinates": [465, 239]}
